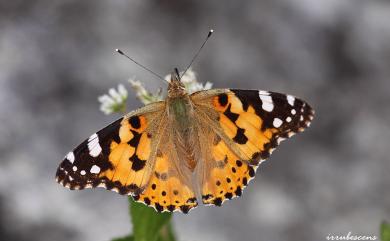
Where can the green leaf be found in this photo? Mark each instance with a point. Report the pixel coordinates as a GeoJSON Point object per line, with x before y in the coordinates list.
{"type": "Point", "coordinates": [127, 238]}
{"type": "Point", "coordinates": [149, 225]}
{"type": "Point", "coordinates": [385, 231]}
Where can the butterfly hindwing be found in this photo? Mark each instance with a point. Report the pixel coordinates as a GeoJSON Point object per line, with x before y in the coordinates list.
{"type": "Point", "coordinates": [170, 188]}
{"type": "Point", "coordinates": [225, 175]}
{"type": "Point", "coordinates": [118, 157]}
{"type": "Point", "coordinates": [248, 125]}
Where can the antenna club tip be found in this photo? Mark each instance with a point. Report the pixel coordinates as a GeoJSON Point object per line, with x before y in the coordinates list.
{"type": "Point", "coordinates": [210, 32]}
{"type": "Point", "coordinates": [119, 51]}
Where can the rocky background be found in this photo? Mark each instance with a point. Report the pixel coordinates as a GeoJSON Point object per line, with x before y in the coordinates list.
{"type": "Point", "coordinates": [56, 57]}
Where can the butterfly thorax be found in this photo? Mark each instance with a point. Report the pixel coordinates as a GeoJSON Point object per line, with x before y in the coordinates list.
{"type": "Point", "coordinates": [178, 104]}
{"type": "Point", "coordinates": [179, 112]}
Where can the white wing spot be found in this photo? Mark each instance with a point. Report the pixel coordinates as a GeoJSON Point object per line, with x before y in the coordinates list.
{"type": "Point", "coordinates": [263, 92]}
{"type": "Point", "coordinates": [291, 99]}
{"type": "Point", "coordinates": [74, 168]}
{"type": "Point", "coordinates": [71, 178]}
{"type": "Point", "coordinates": [303, 106]}
{"type": "Point", "coordinates": [95, 169]}
{"type": "Point", "coordinates": [288, 119]}
{"type": "Point", "coordinates": [70, 157]}
{"type": "Point", "coordinates": [301, 119]}
{"type": "Point", "coordinates": [82, 172]}
{"type": "Point", "coordinates": [293, 111]}
{"type": "Point", "coordinates": [268, 104]}
{"type": "Point", "coordinates": [94, 146]}
{"type": "Point", "coordinates": [277, 122]}
{"type": "Point", "coordinates": [280, 139]}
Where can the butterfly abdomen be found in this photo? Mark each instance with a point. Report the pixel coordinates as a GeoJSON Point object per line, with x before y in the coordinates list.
{"type": "Point", "coordinates": [182, 126]}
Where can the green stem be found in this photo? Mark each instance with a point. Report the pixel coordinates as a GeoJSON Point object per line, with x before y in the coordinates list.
{"type": "Point", "coordinates": [149, 225]}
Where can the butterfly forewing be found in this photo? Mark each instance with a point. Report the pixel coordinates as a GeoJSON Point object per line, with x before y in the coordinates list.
{"type": "Point", "coordinates": [119, 157]}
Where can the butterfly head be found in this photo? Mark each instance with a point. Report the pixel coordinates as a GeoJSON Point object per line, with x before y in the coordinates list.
{"type": "Point", "coordinates": [176, 88]}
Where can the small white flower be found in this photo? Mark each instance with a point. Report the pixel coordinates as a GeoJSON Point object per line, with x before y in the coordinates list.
{"type": "Point", "coordinates": [188, 77]}
{"type": "Point", "coordinates": [143, 95]}
{"type": "Point", "coordinates": [122, 90]}
{"type": "Point", "coordinates": [208, 85]}
{"type": "Point", "coordinates": [115, 101]}
{"type": "Point", "coordinates": [138, 87]}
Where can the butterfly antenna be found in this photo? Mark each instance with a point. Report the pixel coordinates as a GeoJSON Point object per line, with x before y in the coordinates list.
{"type": "Point", "coordinates": [177, 73]}
{"type": "Point", "coordinates": [197, 53]}
{"type": "Point", "coordinates": [140, 65]}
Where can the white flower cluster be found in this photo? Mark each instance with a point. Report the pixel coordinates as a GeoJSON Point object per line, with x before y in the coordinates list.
{"type": "Point", "coordinates": [115, 101]}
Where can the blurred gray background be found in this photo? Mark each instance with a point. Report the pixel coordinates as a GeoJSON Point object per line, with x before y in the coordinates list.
{"type": "Point", "coordinates": [56, 57]}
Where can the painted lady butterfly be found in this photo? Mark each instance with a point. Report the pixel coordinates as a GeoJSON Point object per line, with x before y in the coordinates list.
{"type": "Point", "coordinates": [171, 154]}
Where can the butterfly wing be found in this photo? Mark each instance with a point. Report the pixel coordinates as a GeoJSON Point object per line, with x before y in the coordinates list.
{"type": "Point", "coordinates": [170, 188]}
{"type": "Point", "coordinates": [120, 157]}
{"type": "Point", "coordinates": [243, 128]}
{"type": "Point", "coordinates": [134, 155]}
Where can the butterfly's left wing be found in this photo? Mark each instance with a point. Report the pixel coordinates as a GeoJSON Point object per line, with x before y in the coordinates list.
{"type": "Point", "coordinates": [241, 128]}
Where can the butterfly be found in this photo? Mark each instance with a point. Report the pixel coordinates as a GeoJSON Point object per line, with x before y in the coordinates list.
{"type": "Point", "coordinates": [200, 147]}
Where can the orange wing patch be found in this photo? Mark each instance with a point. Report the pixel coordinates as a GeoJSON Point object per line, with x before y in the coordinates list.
{"type": "Point", "coordinates": [128, 157]}
{"type": "Point", "coordinates": [227, 178]}
{"type": "Point", "coordinates": [166, 190]}
{"type": "Point", "coordinates": [244, 127]}
{"type": "Point", "coordinates": [117, 157]}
